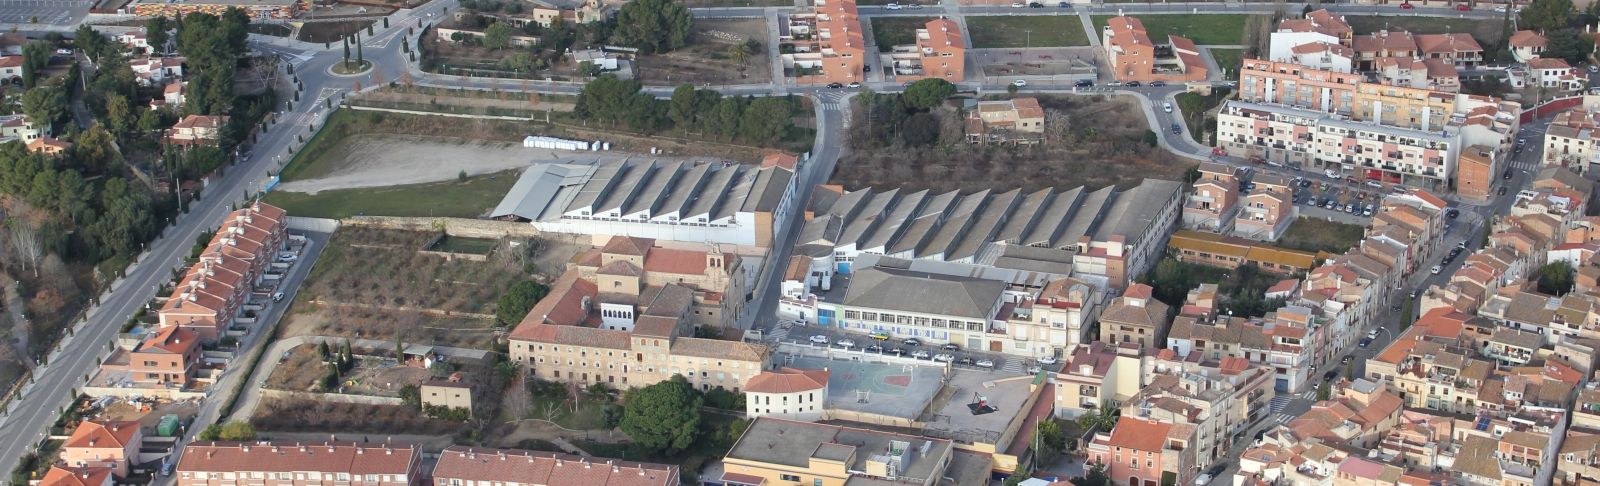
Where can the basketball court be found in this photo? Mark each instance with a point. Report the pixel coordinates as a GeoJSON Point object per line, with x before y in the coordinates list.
{"type": "Point", "coordinates": [899, 391]}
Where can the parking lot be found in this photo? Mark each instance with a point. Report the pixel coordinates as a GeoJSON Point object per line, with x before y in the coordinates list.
{"type": "Point", "coordinates": [51, 12]}
{"type": "Point", "coordinates": [817, 336]}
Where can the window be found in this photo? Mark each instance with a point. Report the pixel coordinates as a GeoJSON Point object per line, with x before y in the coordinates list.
{"type": "Point", "coordinates": [789, 477]}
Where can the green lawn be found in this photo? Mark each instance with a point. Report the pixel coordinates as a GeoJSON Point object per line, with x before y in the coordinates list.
{"type": "Point", "coordinates": [309, 162]}
{"type": "Point", "coordinates": [449, 199]}
{"type": "Point", "coordinates": [1031, 31]}
{"type": "Point", "coordinates": [1311, 234]}
{"type": "Point", "coordinates": [893, 31]}
{"type": "Point", "coordinates": [1228, 60]}
{"type": "Point", "coordinates": [1221, 29]}
{"type": "Point", "coordinates": [1486, 31]}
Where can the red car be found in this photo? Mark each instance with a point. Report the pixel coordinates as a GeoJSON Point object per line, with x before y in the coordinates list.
{"type": "Point", "coordinates": [1463, 8]}
{"type": "Point", "coordinates": [1406, 6]}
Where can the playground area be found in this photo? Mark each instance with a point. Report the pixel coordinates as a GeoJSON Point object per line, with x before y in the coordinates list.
{"type": "Point", "coordinates": [877, 393]}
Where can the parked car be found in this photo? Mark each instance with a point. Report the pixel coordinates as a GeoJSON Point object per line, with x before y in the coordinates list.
{"type": "Point", "coordinates": [1376, 184]}
{"type": "Point", "coordinates": [1203, 479]}
{"type": "Point", "coordinates": [847, 343]}
{"type": "Point", "coordinates": [1046, 360]}
{"type": "Point", "coordinates": [912, 342]}
{"type": "Point", "coordinates": [1436, 269]}
{"type": "Point", "coordinates": [819, 339]}
{"type": "Point", "coordinates": [874, 349]}
{"type": "Point", "coordinates": [855, 84]}
{"type": "Point", "coordinates": [966, 360]}
{"type": "Point", "coordinates": [1020, 83]}
{"type": "Point", "coordinates": [1063, 5]}
{"type": "Point", "coordinates": [1084, 83]}
{"type": "Point", "coordinates": [1132, 84]}
{"type": "Point", "coordinates": [1506, 175]}
{"type": "Point", "coordinates": [942, 357]}
{"type": "Point", "coordinates": [1366, 342]}
{"type": "Point", "coordinates": [1463, 8]}
{"type": "Point", "coordinates": [835, 85]}
{"type": "Point", "coordinates": [880, 335]}
{"type": "Point", "coordinates": [1158, 84]}
{"type": "Point", "coordinates": [1035, 5]}
{"type": "Point", "coordinates": [1167, 107]}
{"type": "Point", "coordinates": [1452, 213]}
{"type": "Point", "coordinates": [950, 347]}
{"type": "Point", "coordinates": [1034, 370]}
{"type": "Point", "coordinates": [1018, 4]}
{"type": "Point", "coordinates": [1406, 6]}
{"type": "Point", "coordinates": [984, 363]}
{"type": "Point", "coordinates": [277, 297]}
{"type": "Point", "coordinates": [892, 6]}
{"type": "Point", "coordinates": [1502, 190]}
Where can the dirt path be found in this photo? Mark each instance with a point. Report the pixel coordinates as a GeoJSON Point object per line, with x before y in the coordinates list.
{"type": "Point", "coordinates": [386, 160]}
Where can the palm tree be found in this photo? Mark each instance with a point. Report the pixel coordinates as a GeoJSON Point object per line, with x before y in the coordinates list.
{"type": "Point", "coordinates": [740, 54]}
{"type": "Point", "coordinates": [1102, 418]}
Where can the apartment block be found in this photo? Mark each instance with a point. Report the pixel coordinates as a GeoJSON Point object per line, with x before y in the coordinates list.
{"type": "Point", "coordinates": [458, 465]}
{"type": "Point", "coordinates": [1316, 140]}
{"type": "Point", "coordinates": [1098, 375]}
{"type": "Point", "coordinates": [1141, 450]}
{"type": "Point", "coordinates": [284, 463]}
{"type": "Point", "coordinates": [1477, 169]}
{"type": "Point", "coordinates": [1220, 399]}
{"type": "Point", "coordinates": [1266, 213]}
{"type": "Point", "coordinates": [1428, 73]}
{"type": "Point", "coordinates": [1136, 317]}
{"type": "Point", "coordinates": [939, 53]}
{"type": "Point", "coordinates": [1570, 140]}
{"type": "Point", "coordinates": [1055, 319]}
{"type": "Point", "coordinates": [1214, 200]}
{"type": "Point", "coordinates": [1233, 252]}
{"type": "Point", "coordinates": [777, 451]}
{"type": "Point", "coordinates": [1297, 85]}
{"type": "Point", "coordinates": [1134, 57]}
{"type": "Point", "coordinates": [828, 44]}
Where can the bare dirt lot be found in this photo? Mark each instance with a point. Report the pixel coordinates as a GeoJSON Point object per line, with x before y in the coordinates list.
{"type": "Point", "coordinates": [387, 160]}
{"type": "Point", "coordinates": [708, 58]}
{"type": "Point", "coordinates": [1091, 141]}
{"type": "Point", "coordinates": [372, 375]}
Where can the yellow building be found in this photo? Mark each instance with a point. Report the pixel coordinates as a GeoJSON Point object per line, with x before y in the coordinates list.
{"type": "Point", "coordinates": [1405, 107]}
{"type": "Point", "coordinates": [784, 452]}
{"type": "Point", "coordinates": [451, 393]}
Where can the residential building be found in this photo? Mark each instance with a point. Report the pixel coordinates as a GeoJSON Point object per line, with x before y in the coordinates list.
{"type": "Point", "coordinates": [1233, 252]}
{"type": "Point", "coordinates": [1017, 120]}
{"type": "Point", "coordinates": [700, 202]}
{"type": "Point", "coordinates": [1323, 56]}
{"type": "Point", "coordinates": [1315, 140]}
{"type": "Point", "coordinates": [778, 451]}
{"type": "Point", "coordinates": [137, 42]}
{"type": "Point", "coordinates": [1570, 140]}
{"type": "Point", "coordinates": [11, 68]}
{"type": "Point", "coordinates": [1135, 317]}
{"type": "Point", "coordinates": [257, 9]}
{"type": "Point", "coordinates": [460, 465]}
{"type": "Point", "coordinates": [156, 71]}
{"type": "Point", "coordinates": [1526, 45]}
{"type": "Point", "coordinates": [1268, 210]}
{"type": "Point", "coordinates": [788, 393]}
{"type": "Point", "coordinates": [209, 297]}
{"type": "Point", "coordinates": [1384, 43]}
{"type": "Point", "coordinates": [49, 146]}
{"type": "Point", "coordinates": [1318, 27]}
{"type": "Point", "coordinates": [1220, 399]}
{"type": "Point", "coordinates": [470, 30]}
{"type": "Point", "coordinates": [1096, 375]}
{"type": "Point", "coordinates": [452, 393]}
{"type": "Point", "coordinates": [631, 275]}
{"type": "Point", "coordinates": [828, 44]}
{"type": "Point", "coordinates": [1297, 85]}
{"type": "Point", "coordinates": [1139, 450]}
{"type": "Point", "coordinates": [78, 476]}
{"type": "Point", "coordinates": [1055, 320]}
{"type": "Point", "coordinates": [1555, 73]}
{"type": "Point", "coordinates": [1360, 416]}
{"type": "Point", "coordinates": [1427, 73]}
{"type": "Point", "coordinates": [197, 129]}
{"type": "Point", "coordinates": [1134, 57]}
{"type": "Point", "coordinates": [1212, 203]}
{"type": "Point", "coordinates": [300, 463]}
{"type": "Point", "coordinates": [578, 334]}
{"type": "Point", "coordinates": [1458, 50]}
{"type": "Point", "coordinates": [1285, 341]}
{"type": "Point", "coordinates": [1580, 457]}
{"type": "Point", "coordinates": [18, 127]}
{"type": "Point", "coordinates": [103, 444]}
{"type": "Point", "coordinates": [546, 14]}
{"type": "Point", "coordinates": [169, 358]}
{"type": "Point", "coordinates": [939, 53]}
{"type": "Point", "coordinates": [1476, 173]}
{"type": "Point", "coordinates": [1104, 237]}
{"type": "Point", "coordinates": [1271, 133]}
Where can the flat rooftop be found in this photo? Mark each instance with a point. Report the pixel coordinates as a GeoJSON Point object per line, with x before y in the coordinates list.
{"type": "Point", "coordinates": [790, 443]}
{"type": "Point", "coordinates": [949, 416]}
{"type": "Point", "coordinates": [900, 391]}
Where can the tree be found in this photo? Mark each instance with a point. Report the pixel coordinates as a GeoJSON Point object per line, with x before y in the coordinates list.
{"type": "Point", "coordinates": [739, 53]}
{"type": "Point", "coordinates": [653, 25]}
{"type": "Point", "coordinates": [1102, 418]}
{"type": "Point", "coordinates": [606, 98]}
{"type": "Point", "coordinates": [919, 130]}
{"type": "Point", "coordinates": [35, 57]}
{"type": "Point", "coordinates": [1546, 15]}
{"type": "Point", "coordinates": [1567, 44]}
{"type": "Point", "coordinates": [1555, 278]}
{"type": "Point", "coordinates": [411, 396]}
{"type": "Point", "coordinates": [766, 120]}
{"type": "Point", "coordinates": [497, 36]}
{"type": "Point", "coordinates": [44, 105]}
{"type": "Point", "coordinates": [118, 114]}
{"type": "Point", "coordinates": [149, 121]}
{"type": "Point", "coordinates": [1051, 439]}
{"type": "Point", "coordinates": [724, 119]}
{"type": "Point", "coordinates": [1094, 476]}
{"type": "Point", "coordinates": [211, 432]}
{"type": "Point", "coordinates": [123, 221]}
{"type": "Point", "coordinates": [516, 301]}
{"type": "Point", "coordinates": [927, 93]}
{"type": "Point", "coordinates": [27, 243]}
{"type": "Point", "coordinates": [664, 417]}
{"type": "Point", "coordinates": [683, 107]}
{"type": "Point", "coordinates": [155, 32]}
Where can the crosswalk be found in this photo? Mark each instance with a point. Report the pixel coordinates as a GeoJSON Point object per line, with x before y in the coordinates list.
{"type": "Point", "coordinates": [1309, 395]}
{"type": "Point", "coordinates": [1528, 165]}
{"type": "Point", "coordinates": [779, 333]}
{"type": "Point", "coordinates": [1283, 418]}
{"type": "Point", "coordinates": [1279, 403]}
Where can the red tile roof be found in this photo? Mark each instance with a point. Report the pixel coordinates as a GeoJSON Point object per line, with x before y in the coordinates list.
{"type": "Point", "coordinates": [788, 380]}
{"type": "Point", "coordinates": [1528, 38]}
{"type": "Point", "coordinates": [76, 476]}
{"type": "Point", "coordinates": [282, 456]}
{"type": "Point", "coordinates": [547, 468]}
{"type": "Point", "coordinates": [564, 305]}
{"type": "Point", "coordinates": [1139, 434]}
{"type": "Point", "coordinates": [681, 262]}
{"type": "Point", "coordinates": [628, 245]}
{"type": "Point", "coordinates": [171, 340]}
{"type": "Point", "coordinates": [103, 434]}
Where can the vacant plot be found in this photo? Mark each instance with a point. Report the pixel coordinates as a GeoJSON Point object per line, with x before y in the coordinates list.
{"type": "Point", "coordinates": [330, 31]}
{"type": "Point", "coordinates": [467, 102]}
{"type": "Point", "coordinates": [1195, 108]}
{"type": "Point", "coordinates": [1032, 31]}
{"type": "Point", "coordinates": [1311, 234]}
{"type": "Point", "coordinates": [1092, 141]}
{"type": "Point", "coordinates": [1229, 60]}
{"type": "Point", "coordinates": [1486, 31]}
{"type": "Point", "coordinates": [895, 31]}
{"type": "Point", "coordinates": [283, 415]}
{"type": "Point", "coordinates": [387, 160]}
{"type": "Point", "coordinates": [720, 51]}
{"type": "Point", "coordinates": [1226, 29]}
{"type": "Point", "coordinates": [376, 284]}
{"type": "Point", "coordinates": [454, 199]}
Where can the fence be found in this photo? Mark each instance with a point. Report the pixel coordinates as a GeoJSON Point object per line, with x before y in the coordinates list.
{"type": "Point", "coordinates": [318, 225]}
{"type": "Point", "coordinates": [1552, 106]}
{"type": "Point", "coordinates": [332, 397]}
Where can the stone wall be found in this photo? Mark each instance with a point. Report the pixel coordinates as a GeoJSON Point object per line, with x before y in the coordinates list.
{"type": "Point", "coordinates": [470, 228]}
{"type": "Point", "coordinates": [319, 225]}
{"type": "Point", "coordinates": [332, 397]}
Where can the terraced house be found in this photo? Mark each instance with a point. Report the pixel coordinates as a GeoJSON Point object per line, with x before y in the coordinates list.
{"type": "Point", "coordinates": [210, 296]}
